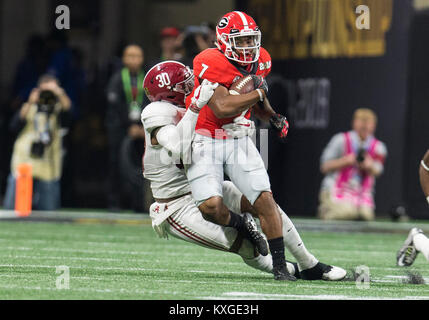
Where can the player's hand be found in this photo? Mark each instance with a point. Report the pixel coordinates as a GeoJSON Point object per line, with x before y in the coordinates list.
{"type": "Point", "coordinates": [239, 128]}
{"type": "Point", "coordinates": [260, 83]}
{"type": "Point", "coordinates": [203, 94]}
{"type": "Point", "coordinates": [281, 125]}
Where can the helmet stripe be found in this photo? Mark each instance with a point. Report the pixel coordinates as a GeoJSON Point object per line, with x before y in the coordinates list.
{"type": "Point", "coordinates": [243, 18]}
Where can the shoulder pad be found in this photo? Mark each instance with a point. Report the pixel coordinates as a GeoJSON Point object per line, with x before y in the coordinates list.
{"type": "Point", "coordinates": [211, 64]}
{"type": "Point", "coordinates": [159, 114]}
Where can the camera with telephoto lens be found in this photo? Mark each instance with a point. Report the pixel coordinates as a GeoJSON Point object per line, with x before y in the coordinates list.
{"type": "Point", "coordinates": [45, 105]}
{"type": "Point", "coordinates": [361, 155]}
{"type": "Point", "coordinates": [47, 101]}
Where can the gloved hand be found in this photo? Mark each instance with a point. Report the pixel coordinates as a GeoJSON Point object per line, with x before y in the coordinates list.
{"type": "Point", "coordinates": [281, 125]}
{"type": "Point", "coordinates": [203, 94]}
{"type": "Point", "coordinates": [260, 83]}
{"type": "Point", "coordinates": [241, 127]}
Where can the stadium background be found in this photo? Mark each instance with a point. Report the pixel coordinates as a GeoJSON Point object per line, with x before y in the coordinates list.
{"type": "Point", "coordinates": [325, 80]}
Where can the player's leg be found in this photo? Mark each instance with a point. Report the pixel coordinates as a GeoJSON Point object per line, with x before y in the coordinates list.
{"type": "Point", "coordinates": [310, 268]}
{"type": "Point", "coordinates": [205, 176]}
{"type": "Point", "coordinates": [188, 224]}
{"type": "Point", "coordinates": [246, 170]}
{"type": "Point", "coordinates": [416, 242]}
{"type": "Point", "coordinates": [313, 269]}
{"type": "Point", "coordinates": [263, 263]}
{"type": "Point", "coordinates": [421, 242]}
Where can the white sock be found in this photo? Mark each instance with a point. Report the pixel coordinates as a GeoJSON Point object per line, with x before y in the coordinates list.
{"type": "Point", "coordinates": [421, 242]}
{"type": "Point", "coordinates": [295, 245]}
{"type": "Point", "coordinates": [266, 264]}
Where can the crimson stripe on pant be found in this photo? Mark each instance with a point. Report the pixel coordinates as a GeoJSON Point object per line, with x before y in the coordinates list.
{"type": "Point", "coordinates": [194, 237]}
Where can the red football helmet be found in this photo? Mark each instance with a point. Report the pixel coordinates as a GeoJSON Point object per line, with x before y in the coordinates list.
{"type": "Point", "coordinates": [169, 81]}
{"type": "Point", "coordinates": [238, 37]}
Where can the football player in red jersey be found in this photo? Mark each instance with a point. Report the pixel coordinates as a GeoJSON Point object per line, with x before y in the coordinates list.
{"type": "Point", "coordinates": [222, 144]}
{"type": "Point", "coordinates": [168, 131]}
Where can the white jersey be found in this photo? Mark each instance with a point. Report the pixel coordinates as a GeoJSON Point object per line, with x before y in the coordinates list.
{"type": "Point", "coordinates": [166, 174]}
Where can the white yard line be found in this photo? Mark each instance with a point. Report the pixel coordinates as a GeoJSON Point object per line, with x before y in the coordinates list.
{"type": "Point", "coordinates": [146, 252]}
{"type": "Point", "coordinates": [16, 234]}
{"type": "Point", "coordinates": [101, 290]}
{"type": "Point", "coordinates": [130, 269]}
{"type": "Point", "coordinates": [118, 260]}
{"type": "Point", "coordinates": [262, 296]}
{"type": "Point", "coordinates": [329, 285]}
{"type": "Point", "coordinates": [101, 243]}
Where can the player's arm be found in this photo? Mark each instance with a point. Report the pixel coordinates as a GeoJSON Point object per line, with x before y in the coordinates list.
{"type": "Point", "coordinates": [266, 113]}
{"type": "Point", "coordinates": [176, 138]}
{"type": "Point", "coordinates": [225, 105]}
{"type": "Point", "coordinates": [424, 175]}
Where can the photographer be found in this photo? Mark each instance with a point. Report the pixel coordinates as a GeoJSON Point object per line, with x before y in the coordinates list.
{"type": "Point", "coordinates": [38, 143]}
{"type": "Point", "coordinates": [351, 162]}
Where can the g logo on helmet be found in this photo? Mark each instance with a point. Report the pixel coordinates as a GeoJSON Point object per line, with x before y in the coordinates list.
{"type": "Point", "coordinates": [223, 23]}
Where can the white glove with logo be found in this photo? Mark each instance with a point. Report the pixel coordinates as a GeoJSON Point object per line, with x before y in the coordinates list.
{"type": "Point", "coordinates": [203, 94]}
{"type": "Point", "coordinates": [241, 127]}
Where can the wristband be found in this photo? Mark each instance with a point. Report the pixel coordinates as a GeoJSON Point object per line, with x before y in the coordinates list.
{"type": "Point", "coordinates": [424, 165]}
{"type": "Point", "coordinates": [261, 96]}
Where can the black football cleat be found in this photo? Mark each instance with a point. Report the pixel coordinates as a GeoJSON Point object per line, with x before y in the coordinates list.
{"type": "Point", "coordinates": [252, 233]}
{"type": "Point", "coordinates": [322, 271]}
{"type": "Point", "coordinates": [282, 274]}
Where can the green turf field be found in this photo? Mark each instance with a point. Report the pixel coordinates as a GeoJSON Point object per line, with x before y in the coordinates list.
{"type": "Point", "coordinates": [130, 262]}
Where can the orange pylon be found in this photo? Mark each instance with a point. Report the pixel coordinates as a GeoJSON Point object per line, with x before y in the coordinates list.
{"type": "Point", "coordinates": [24, 190]}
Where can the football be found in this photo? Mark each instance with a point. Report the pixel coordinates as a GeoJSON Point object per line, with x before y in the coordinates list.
{"type": "Point", "coordinates": [242, 85]}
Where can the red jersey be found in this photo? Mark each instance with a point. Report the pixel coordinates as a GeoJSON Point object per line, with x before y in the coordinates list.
{"type": "Point", "coordinates": [211, 64]}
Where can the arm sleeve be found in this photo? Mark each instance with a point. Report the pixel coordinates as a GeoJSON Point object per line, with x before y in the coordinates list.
{"type": "Point", "coordinates": [178, 139]}
{"type": "Point", "coordinates": [334, 149]}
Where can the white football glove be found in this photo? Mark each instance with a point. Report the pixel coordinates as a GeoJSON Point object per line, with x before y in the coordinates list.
{"type": "Point", "coordinates": [241, 127]}
{"type": "Point", "coordinates": [203, 93]}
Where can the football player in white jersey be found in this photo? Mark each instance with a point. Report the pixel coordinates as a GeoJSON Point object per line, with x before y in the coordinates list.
{"type": "Point", "coordinates": [169, 130]}
{"type": "Point", "coordinates": [416, 241]}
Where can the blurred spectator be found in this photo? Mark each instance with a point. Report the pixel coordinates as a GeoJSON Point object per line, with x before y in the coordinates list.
{"type": "Point", "coordinates": [38, 143]}
{"type": "Point", "coordinates": [65, 64]}
{"type": "Point", "coordinates": [351, 162]}
{"type": "Point", "coordinates": [211, 34]}
{"type": "Point", "coordinates": [195, 40]}
{"type": "Point", "coordinates": [30, 68]}
{"type": "Point", "coordinates": [170, 43]}
{"type": "Point", "coordinates": [125, 99]}
{"type": "Point", "coordinates": [50, 55]}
